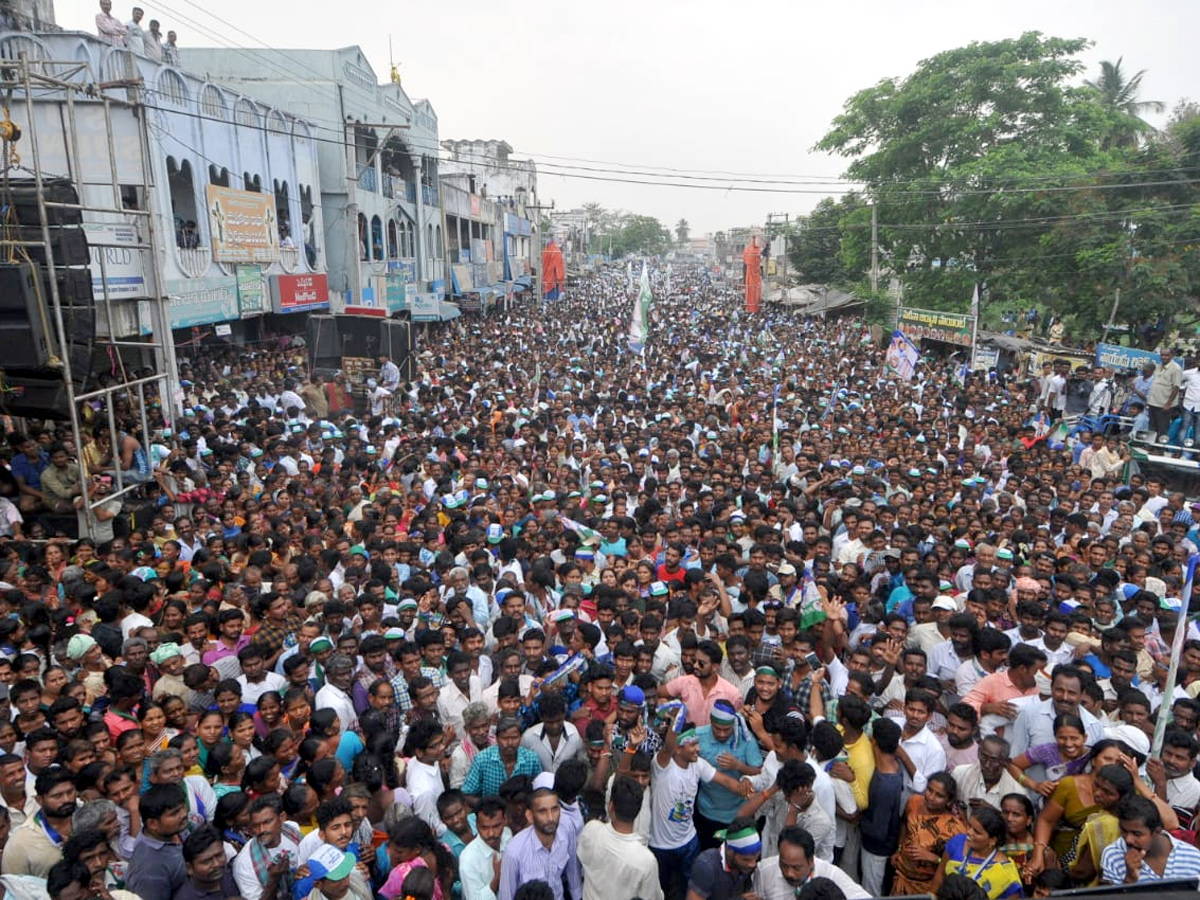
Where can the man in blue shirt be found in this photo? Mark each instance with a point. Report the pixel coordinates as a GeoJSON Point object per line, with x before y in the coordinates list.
{"type": "Point", "coordinates": [27, 468]}
{"type": "Point", "coordinates": [728, 745]}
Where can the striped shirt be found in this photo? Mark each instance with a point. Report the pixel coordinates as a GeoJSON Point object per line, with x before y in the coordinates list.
{"type": "Point", "coordinates": [1182, 862]}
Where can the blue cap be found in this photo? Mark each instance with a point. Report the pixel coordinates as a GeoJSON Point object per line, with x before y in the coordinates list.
{"type": "Point", "coordinates": [631, 695]}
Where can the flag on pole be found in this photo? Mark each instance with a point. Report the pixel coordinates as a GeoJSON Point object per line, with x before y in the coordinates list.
{"type": "Point", "coordinates": [586, 535]}
{"type": "Point", "coordinates": [775, 425]}
{"type": "Point", "coordinates": [639, 324]}
{"type": "Point", "coordinates": [668, 287]}
{"type": "Point", "coordinates": [974, 325]}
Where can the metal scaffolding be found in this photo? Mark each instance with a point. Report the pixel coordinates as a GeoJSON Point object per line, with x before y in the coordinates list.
{"type": "Point", "coordinates": [70, 131]}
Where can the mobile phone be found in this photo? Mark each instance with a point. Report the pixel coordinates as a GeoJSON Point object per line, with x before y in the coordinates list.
{"type": "Point", "coordinates": [814, 661]}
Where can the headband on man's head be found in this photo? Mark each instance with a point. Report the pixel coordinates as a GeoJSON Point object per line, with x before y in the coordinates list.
{"type": "Point", "coordinates": [745, 840]}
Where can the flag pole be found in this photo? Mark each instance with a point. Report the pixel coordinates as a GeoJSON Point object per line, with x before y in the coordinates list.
{"type": "Point", "coordinates": [974, 324]}
{"type": "Point", "coordinates": [1181, 628]}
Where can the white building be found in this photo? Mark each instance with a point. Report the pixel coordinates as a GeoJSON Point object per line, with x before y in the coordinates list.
{"type": "Point", "coordinates": [214, 154]}
{"type": "Point", "coordinates": [486, 169]}
{"type": "Point", "coordinates": [378, 154]}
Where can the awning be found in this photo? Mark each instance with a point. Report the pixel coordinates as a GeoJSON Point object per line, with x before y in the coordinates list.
{"type": "Point", "coordinates": [499, 289]}
{"type": "Point", "coordinates": [524, 282]}
{"type": "Point", "coordinates": [439, 311]}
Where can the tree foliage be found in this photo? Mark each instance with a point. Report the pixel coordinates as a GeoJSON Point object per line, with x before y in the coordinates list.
{"type": "Point", "coordinates": [683, 231]}
{"type": "Point", "coordinates": [640, 235]}
{"type": "Point", "coordinates": [992, 164]}
{"type": "Point", "coordinates": [1120, 94]}
{"type": "Point", "coordinates": [825, 247]}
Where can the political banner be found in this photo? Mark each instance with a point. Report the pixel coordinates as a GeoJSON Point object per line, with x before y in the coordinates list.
{"type": "Point", "coordinates": [935, 325]}
{"type": "Point", "coordinates": [902, 355]}
{"type": "Point", "coordinates": [1114, 356]}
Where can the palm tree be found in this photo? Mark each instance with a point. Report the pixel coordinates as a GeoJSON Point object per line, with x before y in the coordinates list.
{"type": "Point", "coordinates": [1119, 94]}
{"type": "Point", "coordinates": [682, 230]}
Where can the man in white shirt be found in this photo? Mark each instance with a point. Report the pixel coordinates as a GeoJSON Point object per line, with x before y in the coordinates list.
{"type": "Point", "coordinates": [464, 688]}
{"type": "Point", "coordinates": [134, 33]}
{"type": "Point", "coordinates": [255, 679]}
{"type": "Point", "coordinates": [479, 864]}
{"type": "Point", "coordinates": [781, 877]}
{"type": "Point", "coordinates": [920, 751]}
{"type": "Point", "coordinates": [335, 695]}
{"type": "Point", "coordinates": [278, 839]}
{"type": "Point", "coordinates": [987, 781]}
{"type": "Point", "coordinates": [616, 862]}
{"type": "Point", "coordinates": [1171, 774]}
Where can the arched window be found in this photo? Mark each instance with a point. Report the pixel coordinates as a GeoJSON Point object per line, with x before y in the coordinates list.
{"type": "Point", "coordinates": [429, 241]}
{"type": "Point", "coordinates": [183, 203]}
{"type": "Point", "coordinates": [393, 242]}
{"type": "Point", "coordinates": [276, 123]}
{"type": "Point", "coordinates": [172, 88]}
{"type": "Point", "coordinates": [219, 177]}
{"type": "Point", "coordinates": [363, 253]}
{"type": "Point", "coordinates": [376, 237]}
{"type": "Point", "coordinates": [212, 103]}
{"type": "Point", "coordinates": [246, 115]}
{"type": "Point", "coordinates": [438, 242]}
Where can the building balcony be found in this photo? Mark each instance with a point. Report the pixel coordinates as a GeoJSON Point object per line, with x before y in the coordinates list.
{"type": "Point", "coordinates": [429, 194]}
{"type": "Point", "coordinates": [368, 179]}
{"type": "Point", "coordinates": [394, 187]}
{"type": "Point", "coordinates": [193, 262]}
{"type": "Point", "coordinates": [291, 260]}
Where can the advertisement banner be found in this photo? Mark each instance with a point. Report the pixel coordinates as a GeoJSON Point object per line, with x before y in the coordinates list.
{"type": "Point", "coordinates": [404, 268]}
{"type": "Point", "coordinates": [425, 307]}
{"type": "Point", "coordinates": [1114, 356]}
{"type": "Point", "coordinates": [902, 355]}
{"type": "Point", "coordinates": [987, 357]}
{"type": "Point", "coordinates": [118, 267]}
{"type": "Point", "coordinates": [202, 301]}
{"type": "Point", "coordinates": [393, 292]}
{"type": "Point", "coordinates": [299, 293]}
{"type": "Point", "coordinates": [934, 325]}
{"type": "Point", "coordinates": [243, 224]}
{"type": "Point", "coordinates": [252, 294]}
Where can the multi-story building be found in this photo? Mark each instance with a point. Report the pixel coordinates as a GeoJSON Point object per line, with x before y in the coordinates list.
{"type": "Point", "coordinates": [378, 153]}
{"type": "Point", "coordinates": [487, 169]}
{"type": "Point", "coordinates": [233, 194]}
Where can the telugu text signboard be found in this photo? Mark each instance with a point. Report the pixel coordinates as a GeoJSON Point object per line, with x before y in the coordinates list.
{"type": "Point", "coordinates": [202, 301]}
{"type": "Point", "coordinates": [934, 325]}
{"type": "Point", "coordinates": [1114, 356]}
{"type": "Point", "coordinates": [244, 226]}
{"type": "Point", "coordinates": [299, 293]}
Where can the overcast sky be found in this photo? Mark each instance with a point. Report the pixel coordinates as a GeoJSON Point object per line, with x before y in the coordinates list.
{"type": "Point", "coordinates": [700, 85]}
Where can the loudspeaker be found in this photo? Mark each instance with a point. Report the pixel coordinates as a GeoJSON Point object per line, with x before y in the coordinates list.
{"type": "Point", "coordinates": [69, 246]}
{"type": "Point", "coordinates": [322, 340]}
{"type": "Point", "coordinates": [24, 321]}
{"type": "Point", "coordinates": [28, 332]}
{"type": "Point", "coordinates": [55, 190]}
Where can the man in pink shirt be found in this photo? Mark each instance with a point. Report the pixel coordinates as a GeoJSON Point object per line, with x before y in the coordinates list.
{"type": "Point", "coordinates": [993, 694]}
{"type": "Point", "coordinates": [704, 687]}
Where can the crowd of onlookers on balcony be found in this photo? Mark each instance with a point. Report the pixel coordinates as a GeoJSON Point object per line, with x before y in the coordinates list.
{"type": "Point", "coordinates": [145, 40]}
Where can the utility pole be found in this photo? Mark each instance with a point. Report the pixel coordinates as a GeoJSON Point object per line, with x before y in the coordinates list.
{"type": "Point", "coordinates": [874, 248]}
{"type": "Point", "coordinates": [535, 246]}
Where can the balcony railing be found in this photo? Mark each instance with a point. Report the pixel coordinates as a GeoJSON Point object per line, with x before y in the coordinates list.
{"type": "Point", "coordinates": [193, 262]}
{"type": "Point", "coordinates": [290, 260]}
{"type": "Point", "coordinates": [367, 179]}
{"type": "Point", "coordinates": [394, 187]}
{"type": "Point", "coordinates": [429, 194]}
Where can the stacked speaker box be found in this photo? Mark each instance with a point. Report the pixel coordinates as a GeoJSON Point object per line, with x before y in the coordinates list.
{"type": "Point", "coordinates": [32, 359]}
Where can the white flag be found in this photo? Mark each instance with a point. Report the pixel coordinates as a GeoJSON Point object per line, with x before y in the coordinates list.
{"type": "Point", "coordinates": [639, 323]}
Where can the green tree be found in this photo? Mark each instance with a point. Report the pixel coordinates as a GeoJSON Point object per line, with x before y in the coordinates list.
{"type": "Point", "coordinates": [824, 247]}
{"type": "Point", "coordinates": [949, 154]}
{"type": "Point", "coordinates": [1119, 94]}
{"type": "Point", "coordinates": [643, 235]}
{"type": "Point", "coordinates": [682, 231]}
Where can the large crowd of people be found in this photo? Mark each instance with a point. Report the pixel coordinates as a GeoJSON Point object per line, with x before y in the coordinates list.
{"type": "Point", "coordinates": [745, 615]}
